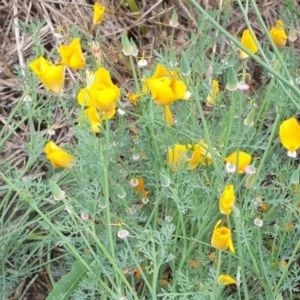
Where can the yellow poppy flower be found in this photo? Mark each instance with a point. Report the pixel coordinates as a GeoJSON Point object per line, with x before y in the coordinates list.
{"type": "Point", "coordinates": [289, 134]}
{"type": "Point", "coordinates": [58, 157]}
{"type": "Point", "coordinates": [213, 93]}
{"type": "Point", "coordinates": [227, 199]}
{"type": "Point", "coordinates": [221, 238]}
{"type": "Point", "coordinates": [200, 155]}
{"type": "Point", "coordinates": [50, 75]}
{"type": "Point", "coordinates": [96, 117]}
{"type": "Point", "coordinates": [278, 34]}
{"type": "Point", "coordinates": [102, 93]}
{"type": "Point", "coordinates": [248, 42]}
{"type": "Point", "coordinates": [225, 280]}
{"type": "Point", "coordinates": [240, 160]}
{"type": "Point", "coordinates": [92, 115]}
{"type": "Point", "coordinates": [177, 157]}
{"type": "Point", "coordinates": [71, 55]}
{"type": "Point", "coordinates": [98, 13]}
{"type": "Point", "coordinates": [164, 86]}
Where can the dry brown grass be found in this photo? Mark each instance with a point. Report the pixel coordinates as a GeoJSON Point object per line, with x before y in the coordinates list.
{"type": "Point", "coordinates": [149, 28]}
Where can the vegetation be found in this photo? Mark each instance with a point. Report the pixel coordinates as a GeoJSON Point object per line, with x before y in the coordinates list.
{"type": "Point", "coordinates": [149, 150]}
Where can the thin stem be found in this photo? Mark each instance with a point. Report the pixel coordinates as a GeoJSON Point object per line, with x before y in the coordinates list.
{"type": "Point", "coordinates": [280, 77]}
{"type": "Point", "coordinates": [106, 189]}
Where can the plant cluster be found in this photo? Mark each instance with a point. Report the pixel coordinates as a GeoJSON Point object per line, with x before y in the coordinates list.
{"type": "Point", "coordinates": [176, 188]}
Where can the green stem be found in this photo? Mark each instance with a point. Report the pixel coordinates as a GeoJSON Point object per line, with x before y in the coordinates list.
{"type": "Point", "coordinates": [275, 49]}
{"type": "Point", "coordinates": [136, 80]}
{"type": "Point", "coordinates": [26, 197]}
{"type": "Point", "coordinates": [106, 188]}
{"type": "Point", "coordinates": [132, 5]}
{"type": "Point", "coordinates": [286, 268]}
{"type": "Point", "coordinates": [133, 256]}
{"type": "Point", "coordinates": [218, 271]}
{"type": "Point", "coordinates": [268, 147]}
{"type": "Point", "coordinates": [113, 262]}
{"type": "Point", "coordinates": [239, 233]}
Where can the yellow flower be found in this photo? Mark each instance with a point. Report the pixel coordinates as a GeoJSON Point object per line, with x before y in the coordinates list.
{"type": "Point", "coordinates": [98, 13]}
{"type": "Point", "coordinates": [177, 157]}
{"type": "Point", "coordinates": [200, 155]}
{"type": "Point", "coordinates": [225, 280]}
{"type": "Point", "coordinates": [95, 117]}
{"type": "Point", "coordinates": [102, 93]}
{"type": "Point", "coordinates": [133, 98]}
{"type": "Point", "coordinates": [58, 157]}
{"type": "Point", "coordinates": [71, 55]}
{"type": "Point", "coordinates": [240, 160]}
{"type": "Point", "coordinates": [50, 75]}
{"type": "Point", "coordinates": [278, 34]}
{"type": "Point", "coordinates": [289, 134]}
{"type": "Point", "coordinates": [213, 93]}
{"type": "Point", "coordinates": [221, 238]}
{"type": "Point", "coordinates": [92, 115]}
{"type": "Point", "coordinates": [226, 201]}
{"type": "Point", "coordinates": [164, 86]}
{"type": "Point", "coordinates": [248, 42]}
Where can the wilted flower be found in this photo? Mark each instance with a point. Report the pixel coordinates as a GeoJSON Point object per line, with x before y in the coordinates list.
{"type": "Point", "coordinates": [102, 93]}
{"type": "Point", "coordinates": [227, 199]}
{"type": "Point", "coordinates": [289, 134]}
{"type": "Point", "coordinates": [250, 170]}
{"type": "Point", "coordinates": [213, 93]}
{"type": "Point", "coordinates": [85, 216]}
{"type": "Point", "coordinates": [142, 62]}
{"type": "Point", "coordinates": [123, 234]}
{"type": "Point", "coordinates": [242, 86]}
{"type": "Point", "coordinates": [133, 98]}
{"type": "Point", "coordinates": [221, 238]}
{"type": "Point", "coordinates": [177, 157]}
{"type": "Point", "coordinates": [247, 41]}
{"type": "Point", "coordinates": [226, 280]}
{"type": "Point", "coordinates": [140, 188]}
{"type": "Point", "coordinates": [134, 182]}
{"type": "Point", "coordinates": [71, 55]}
{"type": "Point", "coordinates": [98, 13]}
{"type": "Point", "coordinates": [258, 222]}
{"type": "Point", "coordinates": [58, 157]}
{"type": "Point", "coordinates": [278, 34]}
{"type": "Point", "coordinates": [200, 155]}
{"type": "Point", "coordinates": [96, 117]}
{"type": "Point", "coordinates": [239, 160]}
{"type": "Point", "coordinates": [50, 75]}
